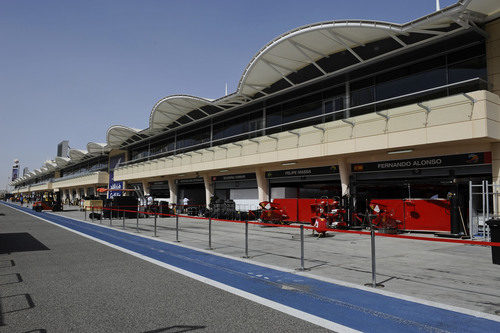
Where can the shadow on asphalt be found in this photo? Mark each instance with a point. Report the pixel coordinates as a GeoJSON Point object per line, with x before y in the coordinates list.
{"type": "Point", "coordinates": [11, 278]}
{"type": "Point", "coordinates": [20, 242]}
{"type": "Point", "coordinates": [177, 329]}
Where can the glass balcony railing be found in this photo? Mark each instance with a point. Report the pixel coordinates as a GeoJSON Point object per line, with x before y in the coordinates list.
{"type": "Point", "coordinates": [371, 107]}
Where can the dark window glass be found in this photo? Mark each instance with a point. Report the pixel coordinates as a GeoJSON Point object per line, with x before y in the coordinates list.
{"type": "Point", "coordinates": [334, 92]}
{"type": "Point", "coordinates": [466, 53]}
{"type": "Point", "coordinates": [362, 92]}
{"type": "Point", "coordinates": [469, 69]}
{"type": "Point", "coordinates": [412, 83]}
{"type": "Point", "coordinates": [306, 107]}
{"type": "Point", "coordinates": [193, 138]}
{"type": "Point", "coordinates": [238, 125]}
{"type": "Point", "coordinates": [273, 116]}
{"type": "Point", "coordinates": [408, 70]}
{"type": "Point", "coordinates": [336, 104]}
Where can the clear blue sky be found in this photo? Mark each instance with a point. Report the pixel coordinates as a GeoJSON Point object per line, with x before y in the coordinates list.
{"type": "Point", "coordinates": [71, 69]}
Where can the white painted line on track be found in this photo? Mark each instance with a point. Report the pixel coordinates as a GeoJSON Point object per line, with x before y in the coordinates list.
{"type": "Point", "coordinates": [281, 269]}
{"type": "Point", "coordinates": [271, 304]}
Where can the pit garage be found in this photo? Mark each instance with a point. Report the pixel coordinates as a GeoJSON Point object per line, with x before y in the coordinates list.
{"type": "Point", "coordinates": [193, 189]}
{"type": "Point", "coordinates": [422, 194]}
{"type": "Point", "coordinates": [295, 190]}
{"type": "Point", "coordinates": [240, 188]}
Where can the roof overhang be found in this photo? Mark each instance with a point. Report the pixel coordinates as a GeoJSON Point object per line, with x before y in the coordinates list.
{"type": "Point", "coordinates": [169, 109]}
{"type": "Point", "coordinates": [118, 134]}
{"type": "Point", "coordinates": [95, 148]}
{"type": "Point", "coordinates": [62, 161]}
{"type": "Point", "coordinates": [76, 154]}
{"type": "Point", "coordinates": [51, 165]}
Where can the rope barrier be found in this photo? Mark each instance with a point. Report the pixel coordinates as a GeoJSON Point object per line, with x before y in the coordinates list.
{"type": "Point", "coordinates": [429, 239]}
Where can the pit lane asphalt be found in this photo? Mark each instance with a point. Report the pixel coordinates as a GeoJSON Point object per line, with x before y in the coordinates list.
{"type": "Point", "coordinates": [84, 286]}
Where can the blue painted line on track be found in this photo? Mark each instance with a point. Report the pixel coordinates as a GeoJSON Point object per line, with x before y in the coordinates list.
{"type": "Point", "coordinates": [359, 309]}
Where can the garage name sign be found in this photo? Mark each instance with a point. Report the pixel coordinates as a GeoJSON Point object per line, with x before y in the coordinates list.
{"type": "Point", "coordinates": [226, 178]}
{"type": "Point", "coordinates": [426, 162]}
{"type": "Point", "coordinates": [187, 181]}
{"type": "Point", "coordinates": [325, 170]}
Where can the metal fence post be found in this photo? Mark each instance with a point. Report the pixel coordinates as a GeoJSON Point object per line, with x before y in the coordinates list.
{"type": "Point", "coordinates": [374, 267]}
{"type": "Point", "coordinates": [302, 266]}
{"type": "Point", "coordinates": [210, 232]}
{"type": "Point", "coordinates": [123, 219]}
{"type": "Point", "coordinates": [100, 215]}
{"type": "Point", "coordinates": [374, 283]}
{"type": "Point", "coordinates": [110, 216]}
{"type": "Point", "coordinates": [246, 240]}
{"type": "Point", "coordinates": [85, 212]}
{"type": "Point", "coordinates": [176, 226]}
{"type": "Point", "coordinates": [486, 228]}
{"type": "Point", "coordinates": [137, 220]}
{"type": "Point", "coordinates": [92, 212]}
{"type": "Point", "coordinates": [470, 210]}
{"type": "Point", "coordinates": [156, 215]}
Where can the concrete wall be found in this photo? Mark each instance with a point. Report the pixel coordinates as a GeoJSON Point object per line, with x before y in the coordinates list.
{"type": "Point", "coordinates": [41, 187]}
{"type": "Point", "coordinates": [92, 179]}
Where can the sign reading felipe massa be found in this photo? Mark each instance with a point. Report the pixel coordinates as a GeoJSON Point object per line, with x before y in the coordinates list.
{"type": "Point", "coordinates": [324, 170]}
{"type": "Point", "coordinates": [425, 162]}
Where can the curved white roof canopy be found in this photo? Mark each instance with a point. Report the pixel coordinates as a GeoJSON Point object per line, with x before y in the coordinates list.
{"type": "Point", "coordinates": [51, 165]}
{"type": "Point", "coordinates": [61, 161]}
{"type": "Point", "coordinates": [76, 154]}
{"type": "Point", "coordinates": [305, 46]}
{"type": "Point", "coordinates": [95, 148]}
{"type": "Point", "coordinates": [118, 134]}
{"type": "Point", "coordinates": [169, 109]}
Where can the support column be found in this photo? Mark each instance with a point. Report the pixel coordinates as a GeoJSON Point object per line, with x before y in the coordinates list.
{"type": "Point", "coordinates": [495, 173]}
{"type": "Point", "coordinates": [262, 185]}
{"type": "Point", "coordinates": [85, 192]}
{"type": "Point", "coordinates": [493, 55]}
{"type": "Point", "coordinates": [345, 173]}
{"type": "Point", "coordinates": [209, 190]}
{"type": "Point", "coordinates": [145, 187]}
{"type": "Point", "coordinates": [172, 186]}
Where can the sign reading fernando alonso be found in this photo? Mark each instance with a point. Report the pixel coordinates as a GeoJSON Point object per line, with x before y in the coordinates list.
{"type": "Point", "coordinates": [425, 162]}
